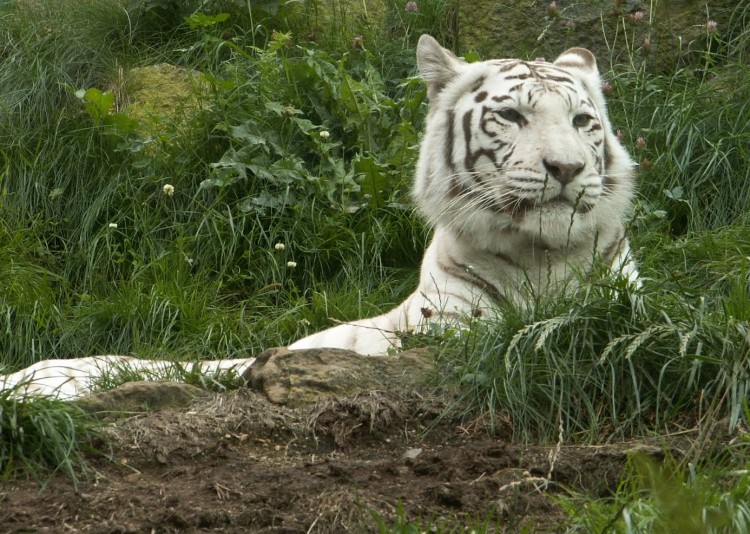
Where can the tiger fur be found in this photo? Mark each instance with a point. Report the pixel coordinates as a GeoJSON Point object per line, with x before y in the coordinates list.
{"type": "Point", "coordinates": [524, 182]}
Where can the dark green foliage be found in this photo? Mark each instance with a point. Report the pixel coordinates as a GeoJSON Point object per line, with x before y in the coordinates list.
{"type": "Point", "coordinates": [196, 271]}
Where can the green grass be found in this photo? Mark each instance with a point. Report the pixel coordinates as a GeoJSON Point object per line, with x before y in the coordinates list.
{"type": "Point", "coordinates": [186, 373]}
{"type": "Point", "coordinates": [613, 361]}
{"type": "Point", "coordinates": [39, 436]}
{"type": "Point", "coordinates": [196, 273]}
{"type": "Point", "coordinates": [694, 122]}
{"type": "Point", "coordinates": [401, 524]}
{"type": "Point", "coordinates": [667, 497]}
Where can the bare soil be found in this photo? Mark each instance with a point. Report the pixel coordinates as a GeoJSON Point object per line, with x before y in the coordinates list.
{"type": "Point", "coordinates": [234, 462]}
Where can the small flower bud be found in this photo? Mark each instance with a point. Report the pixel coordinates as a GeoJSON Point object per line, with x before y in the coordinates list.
{"type": "Point", "coordinates": [637, 17]}
{"type": "Point", "coordinates": [646, 46]}
{"type": "Point", "coordinates": [168, 190]}
{"type": "Point", "coordinates": [279, 246]}
{"type": "Point", "coordinates": [291, 264]}
{"type": "Point", "coordinates": [552, 10]}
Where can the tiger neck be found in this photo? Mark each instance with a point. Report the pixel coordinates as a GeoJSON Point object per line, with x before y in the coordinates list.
{"type": "Point", "coordinates": [513, 258]}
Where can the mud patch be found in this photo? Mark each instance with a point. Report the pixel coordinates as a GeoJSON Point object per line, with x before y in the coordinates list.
{"type": "Point", "coordinates": [235, 462]}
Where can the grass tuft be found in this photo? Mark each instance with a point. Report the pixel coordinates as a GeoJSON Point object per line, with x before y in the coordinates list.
{"type": "Point", "coordinates": [610, 363]}
{"type": "Point", "coordinates": [39, 435]}
{"type": "Point", "coordinates": [666, 497]}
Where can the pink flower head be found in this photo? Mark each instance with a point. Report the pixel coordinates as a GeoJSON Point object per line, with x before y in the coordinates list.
{"type": "Point", "coordinates": [640, 142]}
{"type": "Point", "coordinates": [607, 88]}
{"type": "Point", "coordinates": [411, 6]}
{"type": "Point", "coordinates": [711, 26]}
{"type": "Point", "coordinates": [552, 9]}
{"type": "Point", "coordinates": [357, 42]}
{"type": "Point", "coordinates": [618, 135]}
{"type": "Point", "coordinates": [638, 16]}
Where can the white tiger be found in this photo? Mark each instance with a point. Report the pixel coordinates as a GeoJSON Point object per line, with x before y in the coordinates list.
{"type": "Point", "coordinates": [73, 378]}
{"type": "Point", "coordinates": [524, 182]}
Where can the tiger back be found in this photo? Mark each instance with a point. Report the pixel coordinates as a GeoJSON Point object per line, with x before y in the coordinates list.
{"type": "Point", "coordinates": [524, 182]}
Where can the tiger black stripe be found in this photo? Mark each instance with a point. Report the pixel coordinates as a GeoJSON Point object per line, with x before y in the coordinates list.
{"type": "Point", "coordinates": [478, 84]}
{"type": "Point", "coordinates": [500, 99]}
{"type": "Point", "coordinates": [463, 272]}
{"type": "Point", "coordinates": [612, 249]}
{"type": "Point", "coordinates": [448, 152]}
{"type": "Point", "coordinates": [471, 157]}
{"type": "Point", "coordinates": [505, 258]}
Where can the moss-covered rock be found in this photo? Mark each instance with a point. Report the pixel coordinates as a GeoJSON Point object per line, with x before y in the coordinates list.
{"type": "Point", "coordinates": [296, 378]}
{"type": "Point", "coordinates": [617, 31]}
{"type": "Point", "coordinates": [163, 96]}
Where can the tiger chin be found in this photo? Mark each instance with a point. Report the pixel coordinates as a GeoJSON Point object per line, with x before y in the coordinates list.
{"type": "Point", "coordinates": [524, 182]}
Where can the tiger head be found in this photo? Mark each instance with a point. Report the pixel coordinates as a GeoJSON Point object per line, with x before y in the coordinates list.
{"type": "Point", "coordinates": [519, 146]}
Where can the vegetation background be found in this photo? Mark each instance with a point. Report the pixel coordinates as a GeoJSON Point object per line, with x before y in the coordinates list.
{"type": "Point", "coordinates": [196, 180]}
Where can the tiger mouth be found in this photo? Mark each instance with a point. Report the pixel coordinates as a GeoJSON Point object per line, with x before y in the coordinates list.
{"type": "Point", "coordinates": [524, 205]}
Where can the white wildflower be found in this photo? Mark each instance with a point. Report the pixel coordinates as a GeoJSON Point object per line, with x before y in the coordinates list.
{"type": "Point", "coordinates": [324, 134]}
{"type": "Point", "coordinates": [168, 190]}
{"type": "Point", "coordinates": [279, 246]}
{"type": "Point", "coordinates": [291, 264]}
{"type": "Point", "coordinates": [113, 225]}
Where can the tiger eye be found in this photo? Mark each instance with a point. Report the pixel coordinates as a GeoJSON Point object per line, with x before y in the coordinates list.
{"type": "Point", "coordinates": [579, 121]}
{"type": "Point", "coordinates": [511, 115]}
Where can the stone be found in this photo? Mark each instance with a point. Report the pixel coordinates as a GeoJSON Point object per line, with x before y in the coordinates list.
{"type": "Point", "coordinates": [139, 397]}
{"type": "Point", "coordinates": [412, 454]}
{"type": "Point", "coordinates": [300, 377]}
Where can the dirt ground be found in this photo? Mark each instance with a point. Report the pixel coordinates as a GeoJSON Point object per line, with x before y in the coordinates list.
{"type": "Point", "coordinates": [234, 462]}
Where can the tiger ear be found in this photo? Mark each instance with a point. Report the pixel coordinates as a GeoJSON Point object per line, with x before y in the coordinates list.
{"type": "Point", "coordinates": [582, 64]}
{"type": "Point", "coordinates": [578, 58]}
{"type": "Point", "coordinates": [436, 65]}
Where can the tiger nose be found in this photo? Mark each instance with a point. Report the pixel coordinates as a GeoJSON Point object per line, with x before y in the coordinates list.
{"type": "Point", "coordinates": [563, 172]}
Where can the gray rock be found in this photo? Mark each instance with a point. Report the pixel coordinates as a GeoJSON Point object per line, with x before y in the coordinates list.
{"type": "Point", "coordinates": [139, 397]}
{"type": "Point", "coordinates": [295, 378]}
{"type": "Point", "coordinates": [411, 454]}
